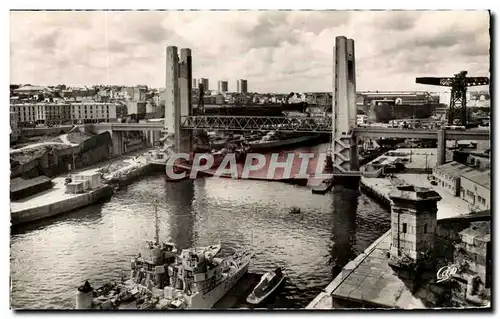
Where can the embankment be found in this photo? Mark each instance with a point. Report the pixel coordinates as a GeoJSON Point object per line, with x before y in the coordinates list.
{"type": "Point", "coordinates": [58, 206]}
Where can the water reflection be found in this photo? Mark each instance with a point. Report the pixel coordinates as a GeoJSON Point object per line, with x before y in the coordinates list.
{"type": "Point", "coordinates": [179, 198]}
{"type": "Point", "coordinates": [345, 206]}
{"type": "Point", "coordinates": [86, 215]}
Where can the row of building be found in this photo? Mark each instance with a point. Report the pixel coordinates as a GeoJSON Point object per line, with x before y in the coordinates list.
{"type": "Point", "coordinates": [60, 113]}
{"type": "Point", "coordinates": [471, 180]}
{"type": "Point", "coordinates": [222, 86]}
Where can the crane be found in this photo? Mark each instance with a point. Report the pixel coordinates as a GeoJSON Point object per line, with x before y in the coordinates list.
{"type": "Point", "coordinates": [458, 98]}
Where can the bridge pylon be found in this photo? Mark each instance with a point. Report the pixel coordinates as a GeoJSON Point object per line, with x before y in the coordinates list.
{"type": "Point", "coordinates": [178, 88]}
{"type": "Point", "coordinates": [344, 143]}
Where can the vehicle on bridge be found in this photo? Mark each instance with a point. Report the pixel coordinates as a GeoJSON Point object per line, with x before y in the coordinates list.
{"type": "Point", "coordinates": [454, 127]}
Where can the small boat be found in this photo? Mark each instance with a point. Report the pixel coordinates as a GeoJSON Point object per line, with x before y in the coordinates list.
{"type": "Point", "coordinates": [323, 188]}
{"type": "Point", "coordinates": [295, 210]}
{"type": "Point", "coordinates": [269, 282]}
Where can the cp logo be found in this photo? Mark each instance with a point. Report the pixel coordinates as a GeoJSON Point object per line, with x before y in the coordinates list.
{"type": "Point", "coordinates": [446, 272]}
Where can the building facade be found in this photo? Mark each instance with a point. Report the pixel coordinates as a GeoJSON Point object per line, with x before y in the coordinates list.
{"type": "Point", "coordinates": [242, 86]}
{"type": "Point", "coordinates": [475, 188]}
{"type": "Point", "coordinates": [60, 113]}
{"type": "Point", "coordinates": [14, 127]}
{"type": "Point", "coordinates": [448, 176]}
{"type": "Point", "coordinates": [135, 107]}
{"type": "Point", "coordinates": [93, 112]}
{"type": "Point", "coordinates": [222, 87]}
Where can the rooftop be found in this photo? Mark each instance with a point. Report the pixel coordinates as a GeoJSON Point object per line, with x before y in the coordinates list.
{"type": "Point", "coordinates": [415, 193]}
{"type": "Point", "coordinates": [455, 169]}
{"type": "Point", "coordinates": [18, 184]}
{"type": "Point", "coordinates": [29, 88]}
{"type": "Point", "coordinates": [481, 178]}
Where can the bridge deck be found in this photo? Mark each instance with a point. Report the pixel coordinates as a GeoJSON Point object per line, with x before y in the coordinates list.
{"type": "Point", "coordinates": [293, 124]}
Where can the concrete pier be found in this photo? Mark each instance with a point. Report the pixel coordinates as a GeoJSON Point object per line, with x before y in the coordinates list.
{"type": "Point", "coordinates": [441, 147]}
{"type": "Point", "coordinates": [54, 201]}
{"type": "Point", "coordinates": [344, 110]}
{"type": "Point", "coordinates": [178, 87]}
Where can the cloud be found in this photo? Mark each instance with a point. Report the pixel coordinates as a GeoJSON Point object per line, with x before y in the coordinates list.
{"type": "Point", "coordinates": [277, 51]}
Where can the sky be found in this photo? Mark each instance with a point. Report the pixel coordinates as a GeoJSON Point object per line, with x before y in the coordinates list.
{"type": "Point", "coordinates": [276, 51]}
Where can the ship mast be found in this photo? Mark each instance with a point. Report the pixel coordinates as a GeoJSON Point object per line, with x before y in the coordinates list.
{"type": "Point", "coordinates": [157, 225]}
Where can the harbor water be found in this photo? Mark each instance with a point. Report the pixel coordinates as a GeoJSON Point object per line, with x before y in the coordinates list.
{"type": "Point", "coordinates": [51, 258]}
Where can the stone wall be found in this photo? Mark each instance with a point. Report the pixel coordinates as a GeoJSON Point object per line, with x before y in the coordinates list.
{"type": "Point", "coordinates": [55, 162]}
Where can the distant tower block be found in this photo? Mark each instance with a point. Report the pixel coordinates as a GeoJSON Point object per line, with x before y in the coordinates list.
{"type": "Point", "coordinates": [344, 144]}
{"type": "Point", "coordinates": [413, 223]}
{"type": "Point", "coordinates": [242, 86]}
{"type": "Point", "coordinates": [222, 87]}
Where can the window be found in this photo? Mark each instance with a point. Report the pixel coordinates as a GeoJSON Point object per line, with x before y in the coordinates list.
{"type": "Point", "coordinates": [404, 228]}
{"type": "Point", "coordinates": [425, 229]}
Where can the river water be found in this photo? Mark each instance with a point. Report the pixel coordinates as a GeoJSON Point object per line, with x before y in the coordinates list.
{"type": "Point", "coordinates": [49, 259]}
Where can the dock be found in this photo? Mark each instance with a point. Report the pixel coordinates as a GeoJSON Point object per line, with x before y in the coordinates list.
{"type": "Point", "coordinates": [54, 201]}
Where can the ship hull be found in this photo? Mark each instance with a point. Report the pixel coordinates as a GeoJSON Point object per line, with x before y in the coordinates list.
{"type": "Point", "coordinates": [386, 112]}
{"type": "Point", "coordinates": [283, 143]}
{"type": "Point", "coordinates": [208, 300]}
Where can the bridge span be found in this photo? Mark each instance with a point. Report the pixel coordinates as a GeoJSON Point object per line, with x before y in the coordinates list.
{"type": "Point", "coordinates": [292, 124]}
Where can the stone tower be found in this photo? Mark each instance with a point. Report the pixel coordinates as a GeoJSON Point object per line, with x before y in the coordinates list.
{"type": "Point", "coordinates": [413, 223]}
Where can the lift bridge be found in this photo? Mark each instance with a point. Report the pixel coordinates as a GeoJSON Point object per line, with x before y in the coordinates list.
{"type": "Point", "coordinates": [257, 123]}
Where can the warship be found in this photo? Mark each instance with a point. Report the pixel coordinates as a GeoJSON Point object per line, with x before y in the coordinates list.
{"type": "Point", "coordinates": [162, 278]}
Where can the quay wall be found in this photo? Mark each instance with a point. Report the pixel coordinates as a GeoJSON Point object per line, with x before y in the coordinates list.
{"type": "Point", "coordinates": [61, 206]}
{"type": "Point", "coordinates": [135, 174]}
{"type": "Point", "coordinates": [375, 193]}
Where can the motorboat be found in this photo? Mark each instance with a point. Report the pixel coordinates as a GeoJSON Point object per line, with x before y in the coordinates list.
{"type": "Point", "coordinates": [268, 284]}
{"type": "Point", "coordinates": [294, 210]}
{"type": "Point", "coordinates": [324, 187]}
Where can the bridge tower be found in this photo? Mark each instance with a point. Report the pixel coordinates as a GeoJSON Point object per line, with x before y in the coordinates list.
{"type": "Point", "coordinates": [344, 144]}
{"type": "Point", "coordinates": [178, 88]}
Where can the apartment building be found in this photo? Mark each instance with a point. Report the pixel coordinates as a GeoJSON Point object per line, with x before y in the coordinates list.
{"type": "Point", "coordinates": [92, 112]}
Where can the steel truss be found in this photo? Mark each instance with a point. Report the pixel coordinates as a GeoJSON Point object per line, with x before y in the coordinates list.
{"type": "Point", "coordinates": [255, 123]}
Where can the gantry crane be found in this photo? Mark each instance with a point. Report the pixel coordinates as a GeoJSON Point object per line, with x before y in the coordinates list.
{"type": "Point", "coordinates": [458, 98]}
